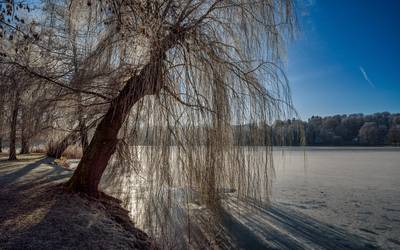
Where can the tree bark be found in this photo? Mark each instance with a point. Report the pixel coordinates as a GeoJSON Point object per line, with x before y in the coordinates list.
{"type": "Point", "coordinates": [24, 132]}
{"type": "Point", "coordinates": [1, 144]}
{"type": "Point", "coordinates": [88, 174]}
{"type": "Point", "coordinates": [13, 130]}
{"type": "Point", "coordinates": [25, 145]}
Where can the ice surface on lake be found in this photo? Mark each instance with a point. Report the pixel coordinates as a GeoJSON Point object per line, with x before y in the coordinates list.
{"type": "Point", "coordinates": [355, 188]}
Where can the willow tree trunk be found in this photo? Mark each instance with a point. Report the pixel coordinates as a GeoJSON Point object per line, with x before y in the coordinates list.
{"type": "Point", "coordinates": [88, 174]}
{"type": "Point", "coordinates": [25, 145]}
{"type": "Point", "coordinates": [24, 133]}
{"type": "Point", "coordinates": [13, 129]}
{"type": "Point", "coordinates": [148, 81]}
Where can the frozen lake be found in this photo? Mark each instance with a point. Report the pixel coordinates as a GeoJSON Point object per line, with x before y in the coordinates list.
{"type": "Point", "coordinates": [357, 189]}
{"type": "Point", "coordinates": [353, 189]}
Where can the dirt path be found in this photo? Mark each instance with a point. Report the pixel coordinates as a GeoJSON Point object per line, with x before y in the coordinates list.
{"type": "Point", "coordinates": [35, 213]}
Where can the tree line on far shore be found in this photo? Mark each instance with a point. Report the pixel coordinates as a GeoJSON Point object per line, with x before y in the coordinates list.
{"type": "Point", "coordinates": [379, 129]}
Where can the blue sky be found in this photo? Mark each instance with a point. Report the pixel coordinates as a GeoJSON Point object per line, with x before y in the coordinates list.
{"type": "Point", "coordinates": [346, 57]}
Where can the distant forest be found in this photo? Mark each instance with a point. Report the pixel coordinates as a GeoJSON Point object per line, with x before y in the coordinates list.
{"type": "Point", "coordinates": [377, 129]}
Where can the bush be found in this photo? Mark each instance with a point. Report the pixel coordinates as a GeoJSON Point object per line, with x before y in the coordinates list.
{"type": "Point", "coordinates": [73, 152]}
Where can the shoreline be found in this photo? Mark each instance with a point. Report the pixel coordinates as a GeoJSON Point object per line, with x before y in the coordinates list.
{"type": "Point", "coordinates": [37, 213]}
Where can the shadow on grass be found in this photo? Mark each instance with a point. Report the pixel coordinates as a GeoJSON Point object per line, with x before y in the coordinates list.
{"type": "Point", "coordinates": [38, 213]}
{"type": "Point", "coordinates": [53, 218]}
{"type": "Point", "coordinates": [19, 177]}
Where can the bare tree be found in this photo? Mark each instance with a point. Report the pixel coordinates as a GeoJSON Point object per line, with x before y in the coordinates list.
{"type": "Point", "coordinates": [25, 134]}
{"type": "Point", "coordinates": [13, 124]}
{"type": "Point", "coordinates": [210, 56]}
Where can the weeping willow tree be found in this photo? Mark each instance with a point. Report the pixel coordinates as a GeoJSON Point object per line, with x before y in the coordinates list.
{"type": "Point", "coordinates": [185, 75]}
{"type": "Point", "coordinates": [173, 84]}
{"type": "Point", "coordinates": [186, 71]}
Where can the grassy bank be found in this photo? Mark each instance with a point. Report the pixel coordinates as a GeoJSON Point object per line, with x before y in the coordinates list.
{"type": "Point", "coordinates": [37, 213]}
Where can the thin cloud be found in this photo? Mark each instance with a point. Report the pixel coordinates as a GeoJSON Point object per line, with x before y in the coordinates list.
{"type": "Point", "coordinates": [366, 77]}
